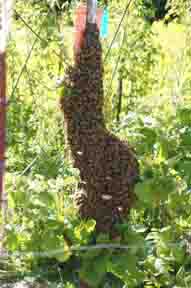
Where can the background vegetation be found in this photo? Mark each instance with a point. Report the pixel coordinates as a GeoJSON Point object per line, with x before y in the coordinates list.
{"type": "Point", "coordinates": [151, 57]}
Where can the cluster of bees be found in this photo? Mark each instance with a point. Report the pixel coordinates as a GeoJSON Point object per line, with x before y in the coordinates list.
{"type": "Point", "coordinates": [108, 167]}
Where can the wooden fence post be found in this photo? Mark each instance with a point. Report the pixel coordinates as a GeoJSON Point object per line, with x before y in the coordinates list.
{"type": "Point", "coordinates": [5, 15]}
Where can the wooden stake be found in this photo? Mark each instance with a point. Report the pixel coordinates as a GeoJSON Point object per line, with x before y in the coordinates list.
{"type": "Point", "coordinates": [3, 104]}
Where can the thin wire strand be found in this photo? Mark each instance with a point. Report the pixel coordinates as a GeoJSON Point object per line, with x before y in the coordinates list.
{"type": "Point", "coordinates": [29, 27]}
{"type": "Point", "coordinates": [107, 246]}
{"type": "Point", "coordinates": [27, 59]}
{"type": "Point", "coordinates": [37, 34]}
{"type": "Point", "coordinates": [116, 66]}
{"type": "Point", "coordinates": [117, 30]}
{"type": "Point", "coordinates": [23, 68]}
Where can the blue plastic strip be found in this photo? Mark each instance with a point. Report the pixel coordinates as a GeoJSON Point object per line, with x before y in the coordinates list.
{"type": "Point", "coordinates": [104, 24]}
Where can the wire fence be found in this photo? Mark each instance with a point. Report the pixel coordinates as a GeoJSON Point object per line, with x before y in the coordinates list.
{"type": "Point", "coordinates": [52, 87]}
{"type": "Point", "coordinates": [16, 101]}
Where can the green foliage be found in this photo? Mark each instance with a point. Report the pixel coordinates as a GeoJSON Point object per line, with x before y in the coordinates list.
{"type": "Point", "coordinates": [44, 235]}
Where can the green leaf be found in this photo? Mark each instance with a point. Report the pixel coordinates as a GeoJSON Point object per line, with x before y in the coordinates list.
{"type": "Point", "coordinates": [151, 191]}
{"type": "Point", "coordinates": [145, 192]}
{"type": "Point", "coordinates": [90, 225]}
{"type": "Point", "coordinates": [124, 267]}
{"type": "Point", "coordinates": [186, 139]}
{"type": "Point", "coordinates": [179, 253]}
{"type": "Point", "coordinates": [12, 240]}
{"type": "Point", "coordinates": [184, 115]}
{"type": "Point", "coordinates": [93, 272]}
{"type": "Point", "coordinates": [83, 231]}
{"type": "Point", "coordinates": [185, 169]}
{"type": "Point", "coordinates": [69, 180]}
{"type": "Point", "coordinates": [65, 255]}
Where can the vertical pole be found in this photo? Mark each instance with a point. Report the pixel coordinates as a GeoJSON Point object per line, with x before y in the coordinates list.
{"type": "Point", "coordinates": [91, 11]}
{"type": "Point", "coordinates": [2, 121]}
{"type": "Point", "coordinates": [91, 19]}
{"type": "Point", "coordinates": [3, 201]}
{"type": "Point", "coordinates": [91, 25]}
{"type": "Point", "coordinates": [5, 8]}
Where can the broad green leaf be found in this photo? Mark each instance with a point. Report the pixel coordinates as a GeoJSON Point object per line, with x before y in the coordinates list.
{"type": "Point", "coordinates": [93, 272]}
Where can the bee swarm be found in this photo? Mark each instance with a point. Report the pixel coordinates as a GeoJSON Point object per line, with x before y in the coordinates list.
{"type": "Point", "coordinates": [107, 165]}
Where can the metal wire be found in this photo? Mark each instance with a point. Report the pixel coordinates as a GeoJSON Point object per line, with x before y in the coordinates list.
{"type": "Point", "coordinates": [117, 30]}
{"type": "Point", "coordinates": [102, 246]}
{"type": "Point", "coordinates": [28, 57]}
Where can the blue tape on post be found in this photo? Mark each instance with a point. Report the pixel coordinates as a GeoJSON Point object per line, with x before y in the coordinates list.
{"type": "Point", "coordinates": [104, 24]}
